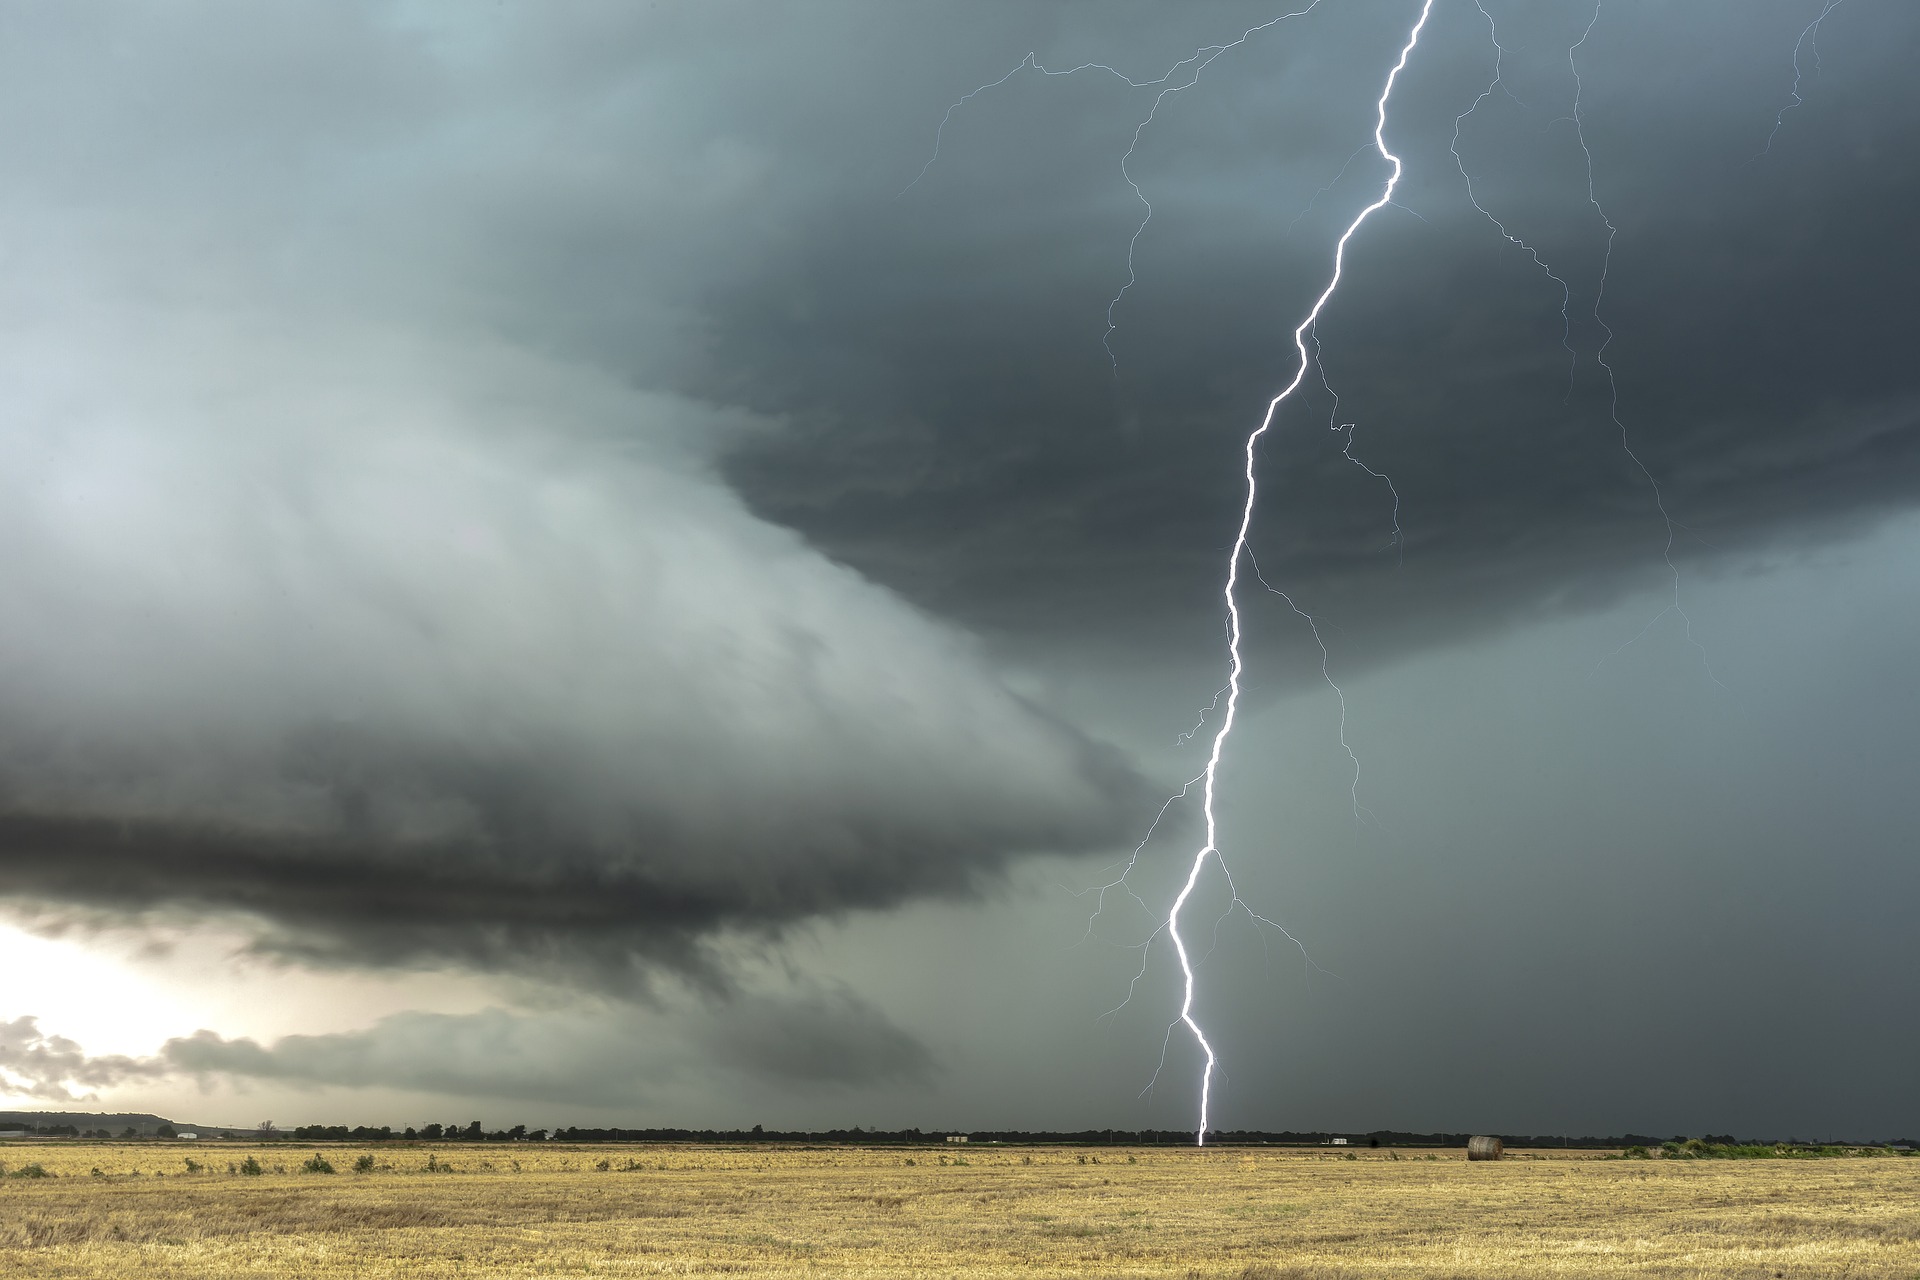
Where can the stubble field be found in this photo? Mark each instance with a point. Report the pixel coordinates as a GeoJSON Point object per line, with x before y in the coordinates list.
{"type": "Point", "coordinates": [528, 1209]}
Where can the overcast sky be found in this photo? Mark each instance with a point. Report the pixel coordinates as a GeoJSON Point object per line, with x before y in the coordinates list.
{"type": "Point", "coordinates": [616, 565]}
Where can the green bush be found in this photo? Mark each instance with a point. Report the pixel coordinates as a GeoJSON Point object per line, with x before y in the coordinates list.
{"type": "Point", "coordinates": [364, 1164]}
{"type": "Point", "coordinates": [318, 1164]}
{"type": "Point", "coordinates": [251, 1167]}
{"type": "Point", "coordinates": [30, 1171]}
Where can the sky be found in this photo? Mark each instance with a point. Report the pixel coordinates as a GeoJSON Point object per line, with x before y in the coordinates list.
{"type": "Point", "coordinates": [655, 566]}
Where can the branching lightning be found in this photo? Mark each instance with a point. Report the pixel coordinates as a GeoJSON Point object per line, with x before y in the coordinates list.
{"type": "Point", "coordinates": [1810, 37]}
{"type": "Point", "coordinates": [1577, 120]}
{"type": "Point", "coordinates": [1187, 71]}
{"type": "Point", "coordinates": [1600, 357]}
{"type": "Point", "coordinates": [1566, 290]}
{"type": "Point", "coordinates": [1399, 538]}
{"type": "Point", "coordinates": [1240, 550]}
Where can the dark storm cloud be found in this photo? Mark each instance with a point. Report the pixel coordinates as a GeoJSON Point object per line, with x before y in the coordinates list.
{"type": "Point", "coordinates": [328, 605]}
{"type": "Point", "coordinates": [355, 585]}
{"type": "Point", "coordinates": [953, 425]}
{"type": "Point", "coordinates": [436, 686]}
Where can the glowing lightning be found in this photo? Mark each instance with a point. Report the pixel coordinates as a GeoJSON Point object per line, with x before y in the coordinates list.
{"type": "Point", "coordinates": [1566, 290]}
{"type": "Point", "coordinates": [1812, 33]}
{"type": "Point", "coordinates": [1235, 663]}
{"type": "Point", "coordinates": [1600, 358]}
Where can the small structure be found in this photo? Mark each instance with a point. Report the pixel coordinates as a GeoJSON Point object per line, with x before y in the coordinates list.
{"type": "Point", "coordinates": [186, 1136]}
{"type": "Point", "coordinates": [1482, 1147]}
{"type": "Point", "coordinates": [1336, 1142]}
{"type": "Point", "coordinates": [956, 1137]}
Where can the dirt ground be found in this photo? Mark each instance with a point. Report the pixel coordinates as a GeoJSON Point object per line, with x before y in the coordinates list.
{"type": "Point", "coordinates": [543, 1209]}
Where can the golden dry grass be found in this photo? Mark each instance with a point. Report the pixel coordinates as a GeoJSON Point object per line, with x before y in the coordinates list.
{"type": "Point", "coordinates": [547, 1210]}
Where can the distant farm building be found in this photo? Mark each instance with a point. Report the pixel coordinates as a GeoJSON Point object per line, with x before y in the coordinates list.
{"type": "Point", "coordinates": [956, 1137]}
{"type": "Point", "coordinates": [1336, 1142]}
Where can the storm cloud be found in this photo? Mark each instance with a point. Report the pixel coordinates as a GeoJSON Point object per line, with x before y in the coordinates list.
{"type": "Point", "coordinates": [412, 675]}
{"type": "Point", "coordinates": [967, 439]}
{"type": "Point", "coordinates": [549, 492]}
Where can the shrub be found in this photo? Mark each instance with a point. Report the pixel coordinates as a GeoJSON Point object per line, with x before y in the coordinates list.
{"type": "Point", "coordinates": [318, 1164]}
{"type": "Point", "coordinates": [364, 1164]}
{"type": "Point", "coordinates": [194, 1166]}
{"type": "Point", "coordinates": [30, 1171]}
{"type": "Point", "coordinates": [251, 1167]}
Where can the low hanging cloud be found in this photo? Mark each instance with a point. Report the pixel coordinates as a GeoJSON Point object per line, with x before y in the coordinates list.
{"type": "Point", "coordinates": [419, 652]}
{"type": "Point", "coordinates": [583, 1055]}
{"type": "Point", "coordinates": [825, 1040]}
{"type": "Point", "coordinates": [51, 1068]}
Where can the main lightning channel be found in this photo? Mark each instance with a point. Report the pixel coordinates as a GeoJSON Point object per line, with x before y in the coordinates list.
{"type": "Point", "coordinates": [1235, 663]}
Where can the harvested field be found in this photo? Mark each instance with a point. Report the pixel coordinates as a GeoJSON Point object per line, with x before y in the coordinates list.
{"type": "Point", "coordinates": [540, 1209]}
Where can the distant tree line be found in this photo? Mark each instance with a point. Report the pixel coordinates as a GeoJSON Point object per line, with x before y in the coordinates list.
{"type": "Point", "coordinates": [474, 1131]}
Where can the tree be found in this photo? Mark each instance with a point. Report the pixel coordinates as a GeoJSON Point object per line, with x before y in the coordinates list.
{"type": "Point", "coordinates": [267, 1129]}
{"type": "Point", "coordinates": [431, 1133]}
{"type": "Point", "coordinates": [165, 1131]}
{"type": "Point", "coordinates": [473, 1132]}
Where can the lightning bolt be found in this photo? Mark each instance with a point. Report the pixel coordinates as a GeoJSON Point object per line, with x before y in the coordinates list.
{"type": "Point", "coordinates": [1399, 538]}
{"type": "Point", "coordinates": [1235, 661]}
{"type": "Point", "coordinates": [1613, 382]}
{"type": "Point", "coordinates": [1811, 38]}
{"type": "Point", "coordinates": [1566, 290]}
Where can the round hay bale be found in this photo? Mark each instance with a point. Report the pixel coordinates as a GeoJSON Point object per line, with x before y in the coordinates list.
{"type": "Point", "coordinates": [1481, 1147]}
